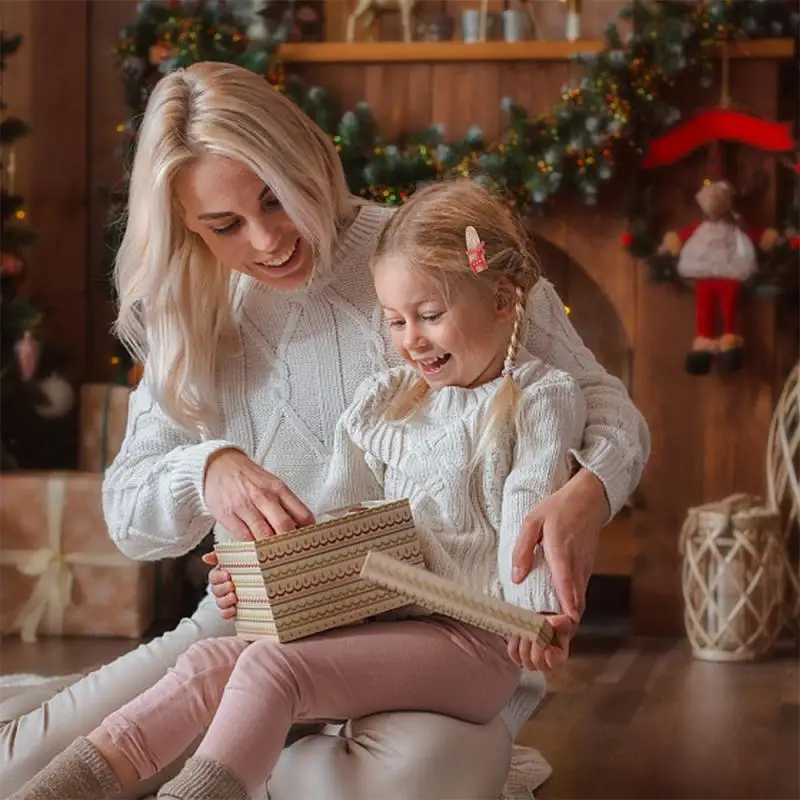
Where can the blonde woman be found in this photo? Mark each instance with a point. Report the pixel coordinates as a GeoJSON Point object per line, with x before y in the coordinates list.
{"type": "Point", "coordinates": [244, 286]}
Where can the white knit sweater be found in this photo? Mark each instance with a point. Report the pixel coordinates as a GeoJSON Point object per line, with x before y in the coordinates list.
{"type": "Point", "coordinates": [467, 520]}
{"type": "Point", "coordinates": [300, 359]}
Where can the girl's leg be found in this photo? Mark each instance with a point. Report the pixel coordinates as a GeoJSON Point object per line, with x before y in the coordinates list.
{"type": "Point", "coordinates": [428, 665]}
{"type": "Point", "coordinates": [153, 729]}
{"type": "Point", "coordinates": [146, 734]}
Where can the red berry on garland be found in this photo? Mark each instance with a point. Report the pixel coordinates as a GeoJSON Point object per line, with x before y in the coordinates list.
{"type": "Point", "coordinates": [626, 240]}
{"type": "Point", "coordinates": [794, 242]}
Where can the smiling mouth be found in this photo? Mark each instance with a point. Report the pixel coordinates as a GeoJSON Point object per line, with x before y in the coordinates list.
{"type": "Point", "coordinates": [430, 366]}
{"type": "Point", "coordinates": [282, 259]}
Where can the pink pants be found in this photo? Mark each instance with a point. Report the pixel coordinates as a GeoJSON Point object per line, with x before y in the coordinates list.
{"type": "Point", "coordinates": [259, 689]}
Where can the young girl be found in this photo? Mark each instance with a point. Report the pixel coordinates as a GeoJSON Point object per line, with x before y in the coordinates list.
{"type": "Point", "coordinates": [452, 273]}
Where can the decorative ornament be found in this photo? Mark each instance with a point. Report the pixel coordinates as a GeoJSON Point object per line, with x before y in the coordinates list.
{"type": "Point", "coordinates": [59, 396]}
{"type": "Point", "coordinates": [160, 52]}
{"type": "Point", "coordinates": [10, 265]}
{"type": "Point", "coordinates": [27, 351]}
{"type": "Point", "coordinates": [476, 251]}
{"type": "Point", "coordinates": [718, 256]}
{"type": "Point", "coordinates": [718, 124]}
{"type": "Point", "coordinates": [573, 27]}
{"type": "Point", "coordinates": [135, 374]}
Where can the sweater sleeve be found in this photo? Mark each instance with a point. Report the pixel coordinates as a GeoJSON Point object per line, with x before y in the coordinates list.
{"type": "Point", "coordinates": [616, 441]}
{"type": "Point", "coordinates": [153, 491]}
{"type": "Point", "coordinates": [354, 475]}
{"type": "Point", "coordinates": [551, 419]}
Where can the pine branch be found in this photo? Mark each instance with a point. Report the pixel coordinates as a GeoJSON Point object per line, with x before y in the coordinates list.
{"type": "Point", "coordinates": [13, 128]}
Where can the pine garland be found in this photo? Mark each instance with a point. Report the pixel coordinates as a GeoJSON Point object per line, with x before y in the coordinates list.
{"type": "Point", "coordinates": [598, 128]}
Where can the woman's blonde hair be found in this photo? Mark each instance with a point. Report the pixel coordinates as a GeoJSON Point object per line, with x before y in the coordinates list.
{"type": "Point", "coordinates": [428, 232]}
{"type": "Point", "coordinates": [175, 302]}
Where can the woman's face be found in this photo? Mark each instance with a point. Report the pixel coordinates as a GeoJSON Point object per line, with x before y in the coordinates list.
{"type": "Point", "coordinates": [242, 222]}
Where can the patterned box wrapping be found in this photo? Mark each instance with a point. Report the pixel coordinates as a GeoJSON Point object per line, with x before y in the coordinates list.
{"type": "Point", "coordinates": [306, 581]}
{"type": "Point", "coordinates": [60, 573]}
{"type": "Point", "coordinates": [443, 596]}
{"type": "Point", "coordinates": [103, 418]}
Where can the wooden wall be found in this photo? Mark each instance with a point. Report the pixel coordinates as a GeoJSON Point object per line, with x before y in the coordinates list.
{"type": "Point", "coordinates": [708, 433]}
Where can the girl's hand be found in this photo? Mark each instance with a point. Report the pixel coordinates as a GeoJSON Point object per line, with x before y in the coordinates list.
{"type": "Point", "coordinates": [568, 525]}
{"type": "Point", "coordinates": [531, 656]}
{"type": "Point", "coordinates": [250, 502]}
{"type": "Point", "coordinates": [221, 587]}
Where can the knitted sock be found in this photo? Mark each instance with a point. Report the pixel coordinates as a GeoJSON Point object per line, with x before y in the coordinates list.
{"type": "Point", "coordinates": [79, 772]}
{"type": "Point", "coordinates": [201, 779]}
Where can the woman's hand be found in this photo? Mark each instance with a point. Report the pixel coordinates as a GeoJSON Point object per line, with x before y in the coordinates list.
{"type": "Point", "coordinates": [221, 587]}
{"type": "Point", "coordinates": [531, 656]}
{"type": "Point", "coordinates": [568, 525]}
{"type": "Point", "coordinates": [248, 501]}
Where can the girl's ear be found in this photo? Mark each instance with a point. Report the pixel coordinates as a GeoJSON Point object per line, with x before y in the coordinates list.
{"type": "Point", "coordinates": [505, 298]}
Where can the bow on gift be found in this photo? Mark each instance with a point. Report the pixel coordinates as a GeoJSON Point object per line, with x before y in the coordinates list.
{"type": "Point", "coordinates": [52, 593]}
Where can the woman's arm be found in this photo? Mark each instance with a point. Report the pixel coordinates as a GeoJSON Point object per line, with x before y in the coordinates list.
{"type": "Point", "coordinates": [551, 414]}
{"type": "Point", "coordinates": [153, 491]}
{"type": "Point", "coordinates": [616, 441]}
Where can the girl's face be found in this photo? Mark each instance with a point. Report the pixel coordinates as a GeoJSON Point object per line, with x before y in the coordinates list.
{"type": "Point", "coordinates": [458, 340]}
{"type": "Point", "coordinates": [242, 222]}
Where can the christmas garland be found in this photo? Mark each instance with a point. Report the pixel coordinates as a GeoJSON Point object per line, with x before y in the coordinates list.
{"type": "Point", "coordinates": [600, 124]}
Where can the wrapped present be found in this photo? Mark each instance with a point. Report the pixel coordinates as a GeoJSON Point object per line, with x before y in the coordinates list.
{"type": "Point", "coordinates": [60, 573]}
{"type": "Point", "coordinates": [103, 419]}
{"type": "Point", "coordinates": [443, 596]}
{"type": "Point", "coordinates": [306, 581]}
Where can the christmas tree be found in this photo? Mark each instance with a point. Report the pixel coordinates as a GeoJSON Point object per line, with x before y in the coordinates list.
{"type": "Point", "coordinates": [35, 401]}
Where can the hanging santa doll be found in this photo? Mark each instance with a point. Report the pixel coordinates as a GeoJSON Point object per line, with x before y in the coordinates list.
{"type": "Point", "coordinates": [718, 256]}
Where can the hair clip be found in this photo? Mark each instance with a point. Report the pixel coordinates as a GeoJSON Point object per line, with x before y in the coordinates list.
{"type": "Point", "coordinates": [476, 251]}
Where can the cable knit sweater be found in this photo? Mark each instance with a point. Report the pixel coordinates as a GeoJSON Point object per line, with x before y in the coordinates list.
{"type": "Point", "coordinates": [300, 358]}
{"type": "Point", "coordinates": [467, 520]}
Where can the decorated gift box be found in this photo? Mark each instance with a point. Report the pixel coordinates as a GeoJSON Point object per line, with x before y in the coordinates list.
{"type": "Point", "coordinates": [306, 581]}
{"type": "Point", "coordinates": [60, 573]}
{"type": "Point", "coordinates": [103, 419]}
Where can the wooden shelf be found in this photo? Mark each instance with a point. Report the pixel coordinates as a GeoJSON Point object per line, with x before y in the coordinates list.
{"type": "Point", "coordinates": [392, 52]}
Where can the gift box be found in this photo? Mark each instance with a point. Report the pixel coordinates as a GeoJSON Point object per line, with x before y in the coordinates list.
{"type": "Point", "coordinates": [60, 573]}
{"type": "Point", "coordinates": [302, 582]}
{"type": "Point", "coordinates": [103, 419]}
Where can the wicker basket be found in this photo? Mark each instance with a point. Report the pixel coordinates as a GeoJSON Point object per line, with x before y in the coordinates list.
{"type": "Point", "coordinates": [783, 485]}
{"type": "Point", "coordinates": [734, 579]}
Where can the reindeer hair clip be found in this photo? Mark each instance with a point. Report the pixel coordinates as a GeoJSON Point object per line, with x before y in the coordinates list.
{"type": "Point", "coordinates": [476, 251]}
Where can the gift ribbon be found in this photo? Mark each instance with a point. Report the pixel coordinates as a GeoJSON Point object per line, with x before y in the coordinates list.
{"type": "Point", "coordinates": [52, 569]}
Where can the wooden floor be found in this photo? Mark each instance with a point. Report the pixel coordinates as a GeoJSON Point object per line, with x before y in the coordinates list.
{"type": "Point", "coordinates": [625, 718]}
{"type": "Point", "coordinates": [640, 718]}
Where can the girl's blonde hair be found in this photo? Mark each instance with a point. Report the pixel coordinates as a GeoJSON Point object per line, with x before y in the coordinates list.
{"type": "Point", "coordinates": [428, 232]}
{"type": "Point", "coordinates": [175, 299]}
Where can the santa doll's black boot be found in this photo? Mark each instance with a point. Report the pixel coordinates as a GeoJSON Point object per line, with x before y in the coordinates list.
{"type": "Point", "coordinates": [731, 350]}
{"type": "Point", "coordinates": [698, 359]}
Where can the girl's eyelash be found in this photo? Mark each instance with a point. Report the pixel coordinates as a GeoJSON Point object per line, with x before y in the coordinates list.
{"type": "Point", "coordinates": [394, 323]}
{"type": "Point", "coordinates": [269, 200]}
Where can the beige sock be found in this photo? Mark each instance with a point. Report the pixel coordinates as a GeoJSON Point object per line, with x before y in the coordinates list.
{"type": "Point", "coordinates": [201, 779]}
{"type": "Point", "coordinates": [79, 773]}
